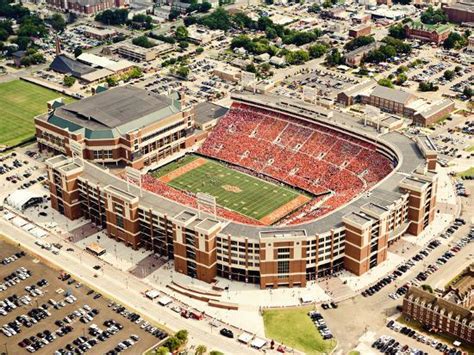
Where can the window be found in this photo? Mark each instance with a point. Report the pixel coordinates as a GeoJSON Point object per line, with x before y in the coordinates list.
{"type": "Point", "coordinates": [119, 221]}
{"type": "Point", "coordinates": [283, 269]}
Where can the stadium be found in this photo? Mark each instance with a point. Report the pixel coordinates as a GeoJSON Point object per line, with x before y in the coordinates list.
{"type": "Point", "coordinates": [278, 192]}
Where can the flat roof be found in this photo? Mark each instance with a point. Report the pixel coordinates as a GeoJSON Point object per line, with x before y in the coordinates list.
{"type": "Point", "coordinates": [390, 94]}
{"type": "Point", "coordinates": [208, 111]}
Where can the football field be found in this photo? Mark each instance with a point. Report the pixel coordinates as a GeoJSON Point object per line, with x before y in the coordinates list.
{"type": "Point", "coordinates": [20, 102]}
{"type": "Point", "coordinates": [234, 190]}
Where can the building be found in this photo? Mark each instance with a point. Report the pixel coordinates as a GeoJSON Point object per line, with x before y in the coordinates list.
{"type": "Point", "coordinates": [208, 114]}
{"type": "Point", "coordinates": [137, 53]}
{"type": "Point", "coordinates": [85, 7]}
{"type": "Point", "coordinates": [17, 58]}
{"type": "Point", "coordinates": [460, 12]}
{"type": "Point", "coordinates": [439, 315]}
{"type": "Point", "coordinates": [100, 34]}
{"type": "Point", "coordinates": [461, 290]}
{"type": "Point", "coordinates": [115, 66]}
{"type": "Point", "coordinates": [354, 57]}
{"type": "Point", "coordinates": [201, 35]}
{"type": "Point", "coordinates": [360, 30]}
{"type": "Point", "coordinates": [427, 33]}
{"type": "Point", "coordinates": [399, 102]}
{"type": "Point", "coordinates": [355, 237]}
{"type": "Point", "coordinates": [122, 126]}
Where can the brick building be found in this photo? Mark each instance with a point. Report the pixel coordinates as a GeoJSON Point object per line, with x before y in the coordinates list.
{"type": "Point", "coordinates": [439, 315]}
{"type": "Point", "coordinates": [85, 7]}
{"type": "Point", "coordinates": [121, 126]}
{"type": "Point", "coordinates": [427, 33]}
{"type": "Point", "coordinates": [360, 30]}
{"type": "Point", "coordinates": [460, 12]}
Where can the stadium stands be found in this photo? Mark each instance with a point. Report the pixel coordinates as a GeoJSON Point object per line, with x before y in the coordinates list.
{"type": "Point", "coordinates": [303, 154]}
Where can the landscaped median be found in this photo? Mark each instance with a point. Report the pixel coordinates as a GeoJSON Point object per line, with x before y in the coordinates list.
{"type": "Point", "coordinates": [294, 328]}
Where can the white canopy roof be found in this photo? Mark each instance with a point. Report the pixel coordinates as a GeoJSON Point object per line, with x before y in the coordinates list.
{"type": "Point", "coordinates": [19, 198]}
{"type": "Point", "coordinates": [258, 343]}
{"type": "Point", "coordinates": [164, 300]}
{"type": "Point", "coordinates": [7, 216]}
{"type": "Point", "coordinates": [19, 222]}
{"type": "Point", "coordinates": [38, 232]}
{"type": "Point", "coordinates": [245, 338]}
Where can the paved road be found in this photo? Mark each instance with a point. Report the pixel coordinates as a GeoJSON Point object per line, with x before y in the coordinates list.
{"type": "Point", "coordinates": [110, 281]}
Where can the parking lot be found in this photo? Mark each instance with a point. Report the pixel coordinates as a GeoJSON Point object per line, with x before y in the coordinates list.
{"type": "Point", "coordinates": [48, 312]}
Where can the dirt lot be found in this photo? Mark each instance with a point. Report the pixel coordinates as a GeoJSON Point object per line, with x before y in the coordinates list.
{"type": "Point", "coordinates": [57, 290]}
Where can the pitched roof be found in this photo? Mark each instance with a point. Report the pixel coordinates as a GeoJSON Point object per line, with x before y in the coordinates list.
{"type": "Point", "coordinates": [66, 65]}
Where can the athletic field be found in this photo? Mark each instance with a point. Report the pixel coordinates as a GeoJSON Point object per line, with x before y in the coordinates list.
{"type": "Point", "coordinates": [20, 102]}
{"type": "Point", "coordinates": [232, 189]}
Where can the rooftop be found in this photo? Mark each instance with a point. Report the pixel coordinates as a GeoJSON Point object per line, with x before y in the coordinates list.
{"type": "Point", "coordinates": [207, 111]}
{"type": "Point", "coordinates": [390, 94]}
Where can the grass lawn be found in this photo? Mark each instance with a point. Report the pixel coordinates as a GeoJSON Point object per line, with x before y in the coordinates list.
{"type": "Point", "coordinates": [447, 339]}
{"type": "Point", "coordinates": [294, 328]}
{"type": "Point", "coordinates": [174, 165]}
{"type": "Point", "coordinates": [470, 149]}
{"type": "Point", "coordinates": [20, 102]}
{"type": "Point", "coordinates": [468, 172]}
{"type": "Point", "coordinates": [232, 189]}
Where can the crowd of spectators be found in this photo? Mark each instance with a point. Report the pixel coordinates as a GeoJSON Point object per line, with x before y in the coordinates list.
{"type": "Point", "coordinates": [304, 154]}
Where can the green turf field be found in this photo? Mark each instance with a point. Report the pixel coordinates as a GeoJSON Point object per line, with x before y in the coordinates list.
{"type": "Point", "coordinates": [293, 327]}
{"type": "Point", "coordinates": [232, 189]}
{"type": "Point", "coordinates": [20, 102]}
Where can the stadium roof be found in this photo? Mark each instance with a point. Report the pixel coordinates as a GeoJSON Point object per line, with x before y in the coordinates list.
{"type": "Point", "coordinates": [65, 65]}
{"type": "Point", "coordinates": [114, 112]}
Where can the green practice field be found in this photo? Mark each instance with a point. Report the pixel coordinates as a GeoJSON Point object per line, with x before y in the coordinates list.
{"type": "Point", "coordinates": [232, 189]}
{"type": "Point", "coordinates": [20, 102]}
{"type": "Point", "coordinates": [293, 327]}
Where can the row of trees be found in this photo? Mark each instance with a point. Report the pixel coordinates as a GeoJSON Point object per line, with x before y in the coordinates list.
{"type": "Point", "coordinates": [390, 48]}
{"type": "Point", "coordinates": [113, 17]}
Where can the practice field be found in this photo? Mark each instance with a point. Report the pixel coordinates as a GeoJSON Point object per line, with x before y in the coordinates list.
{"type": "Point", "coordinates": [20, 102]}
{"type": "Point", "coordinates": [293, 327]}
{"type": "Point", "coordinates": [232, 189]}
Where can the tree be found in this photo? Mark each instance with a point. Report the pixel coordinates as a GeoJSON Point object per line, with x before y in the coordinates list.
{"type": "Point", "coordinates": [401, 78]}
{"type": "Point", "coordinates": [467, 91]}
{"type": "Point", "coordinates": [135, 73]}
{"type": "Point", "coordinates": [174, 14]}
{"type": "Point", "coordinates": [172, 343]}
{"type": "Point", "coordinates": [359, 42]}
{"type": "Point", "coordinates": [162, 350]}
{"type": "Point", "coordinates": [77, 51]}
{"type": "Point", "coordinates": [215, 352]}
{"type": "Point", "coordinates": [113, 17]}
{"type": "Point", "coordinates": [111, 81]}
{"type": "Point", "coordinates": [205, 6]}
{"type": "Point", "coordinates": [315, 8]}
{"type": "Point", "coordinates": [297, 57]}
{"type": "Point", "coordinates": [427, 288]}
{"type": "Point", "coordinates": [143, 41]}
{"type": "Point", "coordinates": [183, 71]}
{"type": "Point", "coordinates": [317, 50]}
{"type": "Point", "coordinates": [181, 33]}
{"type": "Point", "coordinates": [448, 74]}
{"type": "Point", "coordinates": [432, 16]}
{"type": "Point", "coordinates": [201, 350]}
{"type": "Point", "coordinates": [455, 40]}
{"type": "Point", "coordinates": [397, 31]}
{"type": "Point", "coordinates": [385, 82]}
{"type": "Point", "coordinates": [427, 86]}
{"type": "Point", "coordinates": [183, 44]}
{"type": "Point", "coordinates": [182, 334]}
{"type": "Point", "coordinates": [199, 50]}
{"type": "Point", "coordinates": [334, 58]}
{"type": "Point", "coordinates": [251, 68]}
{"type": "Point", "coordinates": [69, 80]}
{"type": "Point", "coordinates": [57, 22]}
{"type": "Point", "coordinates": [220, 19]}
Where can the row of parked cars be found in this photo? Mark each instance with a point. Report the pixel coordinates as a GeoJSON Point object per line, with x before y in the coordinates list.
{"type": "Point", "coordinates": [461, 189]}
{"type": "Point", "coordinates": [34, 316]}
{"type": "Point", "coordinates": [12, 258]}
{"type": "Point", "coordinates": [15, 277]}
{"type": "Point", "coordinates": [320, 324]}
{"type": "Point", "coordinates": [135, 318]}
{"type": "Point", "coordinates": [124, 345]}
{"type": "Point", "coordinates": [395, 326]}
{"type": "Point", "coordinates": [403, 268]}
{"type": "Point", "coordinates": [388, 345]}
